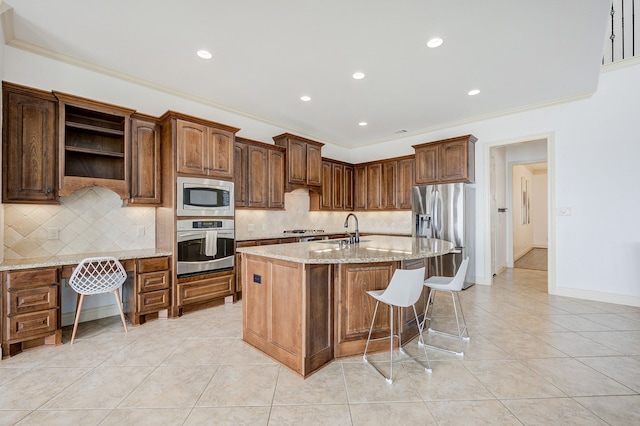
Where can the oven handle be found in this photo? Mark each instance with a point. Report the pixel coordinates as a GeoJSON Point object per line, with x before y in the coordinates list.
{"type": "Point", "coordinates": [188, 236]}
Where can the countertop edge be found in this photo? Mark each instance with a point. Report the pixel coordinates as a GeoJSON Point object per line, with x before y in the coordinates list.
{"type": "Point", "coordinates": [73, 259]}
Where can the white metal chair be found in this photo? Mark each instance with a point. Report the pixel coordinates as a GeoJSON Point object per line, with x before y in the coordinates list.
{"type": "Point", "coordinates": [97, 275]}
{"type": "Point", "coordinates": [452, 285]}
{"type": "Point", "coordinates": [403, 291]}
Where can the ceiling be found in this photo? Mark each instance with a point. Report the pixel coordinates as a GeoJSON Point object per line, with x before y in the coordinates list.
{"type": "Point", "coordinates": [267, 54]}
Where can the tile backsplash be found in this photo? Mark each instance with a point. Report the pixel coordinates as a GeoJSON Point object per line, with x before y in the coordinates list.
{"type": "Point", "coordinates": [298, 216]}
{"type": "Point", "coordinates": [89, 220]}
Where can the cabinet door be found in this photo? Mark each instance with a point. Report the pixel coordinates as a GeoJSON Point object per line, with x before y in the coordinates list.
{"type": "Point", "coordinates": [374, 186]}
{"type": "Point", "coordinates": [427, 165]}
{"type": "Point", "coordinates": [145, 162]}
{"type": "Point", "coordinates": [192, 148]}
{"type": "Point", "coordinates": [297, 162]}
{"type": "Point", "coordinates": [360, 187]}
{"type": "Point", "coordinates": [454, 161]}
{"type": "Point", "coordinates": [327, 186]}
{"type": "Point", "coordinates": [276, 179]}
{"type": "Point", "coordinates": [258, 177]}
{"type": "Point", "coordinates": [389, 184]}
{"type": "Point", "coordinates": [348, 188]}
{"type": "Point", "coordinates": [405, 182]}
{"type": "Point", "coordinates": [240, 174]}
{"type": "Point", "coordinates": [314, 165]}
{"type": "Point", "coordinates": [29, 149]}
{"type": "Point", "coordinates": [220, 153]}
{"type": "Point", "coordinates": [337, 171]}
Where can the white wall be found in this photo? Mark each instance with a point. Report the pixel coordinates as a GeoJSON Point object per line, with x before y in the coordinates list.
{"type": "Point", "coordinates": [595, 164]}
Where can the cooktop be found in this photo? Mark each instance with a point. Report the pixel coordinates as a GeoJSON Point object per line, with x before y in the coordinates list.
{"type": "Point", "coordinates": [302, 231]}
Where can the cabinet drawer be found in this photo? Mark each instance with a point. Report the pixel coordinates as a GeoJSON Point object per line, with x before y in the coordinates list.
{"type": "Point", "coordinates": [27, 300]}
{"type": "Point", "coordinates": [31, 278]}
{"type": "Point", "coordinates": [154, 301]}
{"type": "Point", "coordinates": [153, 281]}
{"type": "Point", "coordinates": [153, 264]}
{"type": "Point", "coordinates": [205, 290]}
{"type": "Point", "coordinates": [32, 325]}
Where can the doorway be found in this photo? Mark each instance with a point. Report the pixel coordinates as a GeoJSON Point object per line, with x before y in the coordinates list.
{"type": "Point", "coordinates": [509, 205]}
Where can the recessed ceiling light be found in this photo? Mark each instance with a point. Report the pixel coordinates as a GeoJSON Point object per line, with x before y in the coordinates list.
{"type": "Point", "coordinates": [305, 98]}
{"type": "Point", "coordinates": [358, 75]}
{"type": "Point", "coordinates": [204, 54]}
{"type": "Point", "coordinates": [362, 123]}
{"type": "Point", "coordinates": [473, 92]}
{"type": "Point", "coordinates": [434, 42]}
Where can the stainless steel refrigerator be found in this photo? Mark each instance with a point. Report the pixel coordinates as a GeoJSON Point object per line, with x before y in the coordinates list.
{"type": "Point", "coordinates": [447, 212]}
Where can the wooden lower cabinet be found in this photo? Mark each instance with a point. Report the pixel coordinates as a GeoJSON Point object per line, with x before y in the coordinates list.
{"type": "Point", "coordinates": [353, 318]}
{"type": "Point", "coordinates": [204, 288]}
{"type": "Point", "coordinates": [30, 312]}
{"type": "Point", "coordinates": [149, 292]}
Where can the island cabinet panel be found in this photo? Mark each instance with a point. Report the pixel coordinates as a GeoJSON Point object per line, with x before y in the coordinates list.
{"type": "Point", "coordinates": [29, 145]}
{"type": "Point", "coordinates": [354, 307]}
{"type": "Point", "coordinates": [286, 323]}
{"type": "Point", "coordinates": [287, 311]}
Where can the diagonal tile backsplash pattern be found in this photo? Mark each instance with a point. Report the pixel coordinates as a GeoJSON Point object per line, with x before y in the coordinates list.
{"type": "Point", "coordinates": [89, 220]}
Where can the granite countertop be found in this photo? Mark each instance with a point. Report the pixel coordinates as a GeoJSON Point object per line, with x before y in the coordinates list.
{"type": "Point", "coordinates": [74, 259]}
{"type": "Point", "coordinates": [372, 248]}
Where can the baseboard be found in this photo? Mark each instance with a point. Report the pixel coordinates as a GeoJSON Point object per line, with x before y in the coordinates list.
{"type": "Point", "coordinates": [596, 296]}
{"type": "Point", "coordinates": [90, 314]}
{"type": "Point", "coordinates": [521, 253]}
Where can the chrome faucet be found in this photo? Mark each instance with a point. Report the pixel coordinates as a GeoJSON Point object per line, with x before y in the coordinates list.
{"type": "Point", "coordinates": [346, 225]}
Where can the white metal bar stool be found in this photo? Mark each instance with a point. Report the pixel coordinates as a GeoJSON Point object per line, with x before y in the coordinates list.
{"type": "Point", "coordinates": [97, 275]}
{"type": "Point", "coordinates": [452, 285]}
{"type": "Point", "coordinates": [404, 290]}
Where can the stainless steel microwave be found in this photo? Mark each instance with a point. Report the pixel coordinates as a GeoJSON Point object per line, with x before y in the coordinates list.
{"type": "Point", "coordinates": [204, 197]}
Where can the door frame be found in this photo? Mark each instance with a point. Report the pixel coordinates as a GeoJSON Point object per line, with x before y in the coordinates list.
{"type": "Point", "coordinates": [551, 203]}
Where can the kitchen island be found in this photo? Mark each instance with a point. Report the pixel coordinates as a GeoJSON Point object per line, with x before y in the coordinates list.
{"type": "Point", "coordinates": [305, 304]}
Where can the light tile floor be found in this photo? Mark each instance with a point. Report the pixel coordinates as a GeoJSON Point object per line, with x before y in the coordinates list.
{"type": "Point", "coordinates": [533, 359]}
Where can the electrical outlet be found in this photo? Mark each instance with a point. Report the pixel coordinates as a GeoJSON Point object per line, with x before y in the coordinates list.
{"type": "Point", "coordinates": [564, 211]}
{"type": "Point", "coordinates": [251, 227]}
{"type": "Point", "coordinates": [264, 226]}
{"type": "Point", "coordinates": [140, 231]}
{"type": "Point", "coordinates": [54, 233]}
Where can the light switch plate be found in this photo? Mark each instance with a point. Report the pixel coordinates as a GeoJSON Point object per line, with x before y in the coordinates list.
{"type": "Point", "coordinates": [140, 231]}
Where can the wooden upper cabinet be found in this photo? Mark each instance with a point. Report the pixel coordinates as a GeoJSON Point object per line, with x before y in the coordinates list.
{"type": "Point", "coordinates": [348, 187]}
{"type": "Point", "coordinates": [314, 158]}
{"type": "Point", "coordinates": [94, 145]}
{"type": "Point", "coordinates": [276, 178]}
{"type": "Point", "coordinates": [374, 186]}
{"type": "Point", "coordinates": [146, 176]}
{"type": "Point", "coordinates": [204, 150]}
{"type": "Point", "coordinates": [405, 182]}
{"type": "Point", "coordinates": [327, 194]}
{"type": "Point", "coordinates": [303, 159]}
{"type": "Point", "coordinates": [360, 187]}
{"type": "Point", "coordinates": [337, 173]}
{"type": "Point", "coordinates": [240, 173]}
{"type": "Point", "coordinates": [446, 161]}
{"type": "Point", "coordinates": [259, 170]}
{"type": "Point", "coordinates": [220, 153]}
{"type": "Point", "coordinates": [28, 145]}
{"type": "Point", "coordinates": [389, 184]}
{"type": "Point", "coordinates": [258, 166]}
